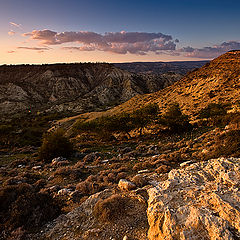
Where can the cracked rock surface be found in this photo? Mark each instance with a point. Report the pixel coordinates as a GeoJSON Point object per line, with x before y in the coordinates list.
{"type": "Point", "coordinates": [198, 201]}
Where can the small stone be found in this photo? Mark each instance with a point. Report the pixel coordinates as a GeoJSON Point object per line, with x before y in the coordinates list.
{"type": "Point", "coordinates": [105, 161]}
{"type": "Point", "coordinates": [63, 191]}
{"type": "Point", "coordinates": [126, 185]}
{"type": "Point", "coordinates": [143, 171]}
{"type": "Point", "coordinates": [57, 160]}
{"type": "Point", "coordinates": [37, 167]}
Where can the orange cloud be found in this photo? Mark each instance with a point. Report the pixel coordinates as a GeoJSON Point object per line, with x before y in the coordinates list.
{"type": "Point", "coordinates": [11, 33]}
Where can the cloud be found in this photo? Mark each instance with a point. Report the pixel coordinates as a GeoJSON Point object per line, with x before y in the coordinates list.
{"type": "Point", "coordinates": [10, 51]}
{"type": "Point", "coordinates": [211, 52]}
{"type": "Point", "coordinates": [11, 33]}
{"type": "Point", "coordinates": [45, 36]}
{"type": "Point", "coordinates": [118, 42]}
{"type": "Point", "coordinates": [34, 48]}
{"type": "Point", "coordinates": [13, 24]}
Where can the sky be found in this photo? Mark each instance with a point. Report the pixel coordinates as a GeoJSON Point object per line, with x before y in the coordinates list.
{"type": "Point", "coordinates": [54, 31]}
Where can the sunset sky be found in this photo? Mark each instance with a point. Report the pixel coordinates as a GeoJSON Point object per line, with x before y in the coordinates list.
{"type": "Point", "coordinates": [50, 31]}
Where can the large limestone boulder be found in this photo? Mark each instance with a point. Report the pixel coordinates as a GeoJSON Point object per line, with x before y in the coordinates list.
{"type": "Point", "coordinates": [199, 201]}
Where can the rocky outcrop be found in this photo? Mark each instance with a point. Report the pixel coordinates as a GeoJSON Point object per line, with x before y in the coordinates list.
{"type": "Point", "coordinates": [199, 201]}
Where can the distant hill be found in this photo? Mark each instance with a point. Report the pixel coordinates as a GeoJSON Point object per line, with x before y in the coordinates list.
{"type": "Point", "coordinates": [81, 87]}
{"type": "Point", "coordinates": [73, 88]}
{"type": "Point", "coordinates": [161, 67]}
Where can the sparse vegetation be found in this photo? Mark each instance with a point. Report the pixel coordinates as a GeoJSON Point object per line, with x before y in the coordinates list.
{"type": "Point", "coordinates": [140, 145]}
{"type": "Point", "coordinates": [55, 145]}
{"type": "Point", "coordinates": [106, 126]}
{"type": "Point", "coordinates": [111, 208]}
{"type": "Point", "coordinates": [144, 116]}
{"type": "Point", "coordinates": [228, 144]}
{"type": "Point", "coordinates": [22, 206]}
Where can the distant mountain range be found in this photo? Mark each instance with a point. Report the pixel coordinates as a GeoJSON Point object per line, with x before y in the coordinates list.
{"type": "Point", "coordinates": [82, 87]}
{"type": "Point", "coordinates": [181, 68]}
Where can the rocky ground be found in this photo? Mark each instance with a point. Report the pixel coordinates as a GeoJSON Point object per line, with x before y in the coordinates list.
{"type": "Point", "coordinates": [155, 168]}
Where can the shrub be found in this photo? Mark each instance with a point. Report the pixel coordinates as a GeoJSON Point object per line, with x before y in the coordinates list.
{"type": "Point", "coordinates": [175, 120]}
{"type": "Point", "coordinates": [228, 144]}
{"type": "Point", "coordinates": [213, 109]}
{"type": "Point", "coordinates": [221, 121]}
{"type": "Point", "coordinates": [70, 172]}
{"type": "Point", "coordinates": [5, 128]}
{"type": "Point", "coordinates": [22, 206]}
{"type": "Point", "coordinates": [105, 126]}
{"type": "Point", "coordinates": [55, 145]}
{"type": "Point", "coordinates": [139, 180]}
{"type": "Point", "coordinates": [88, 187]}
{"type": "Point", "coordinates": [143, 116]}
{"type": "Point", "coordinates": [111, 208]}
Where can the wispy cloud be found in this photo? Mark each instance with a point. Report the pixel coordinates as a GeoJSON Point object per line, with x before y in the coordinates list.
{"type": "Point", "coordinates": [211, 52]}
{"type": "Point", "coordinates": [13, 24]}
{"type": "Point", "coordinates": [11, 33]}
{"type": "Point", "coordinates": [11, 51]}
{"type": "Point", "coordinates": [34, 48]}
{"type": "Point", "coordinates": [118, 42]}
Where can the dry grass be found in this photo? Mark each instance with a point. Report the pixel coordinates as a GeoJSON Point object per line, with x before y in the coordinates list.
{"type": "Point", "coordinates": [111, 209]}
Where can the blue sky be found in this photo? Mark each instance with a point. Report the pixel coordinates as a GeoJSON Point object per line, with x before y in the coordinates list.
{"type": "Point", "coordinates": [205, 29]}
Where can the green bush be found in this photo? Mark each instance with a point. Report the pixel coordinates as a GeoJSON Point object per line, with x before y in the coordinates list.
{"type": "Point", "coordinates": [55, 145]}
{"type": "Point", "coordinates": [5, 128]}
{"type": "Point", "coordinates": [105, 126]}
{"type": "Point", "coordinates": [175, 120]}
{"type": "Point", "coordinates": [144, 116]}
